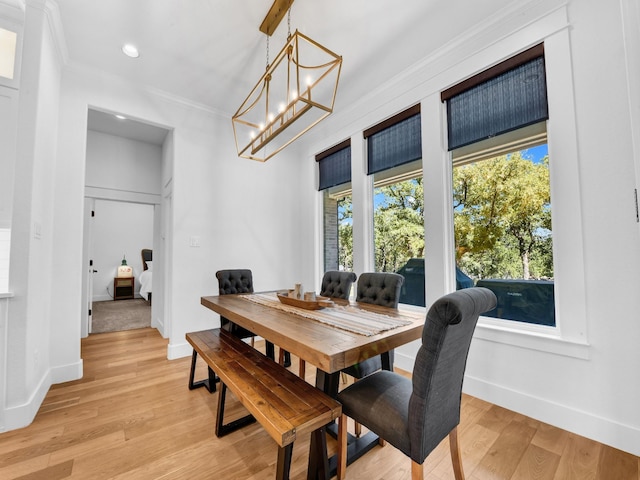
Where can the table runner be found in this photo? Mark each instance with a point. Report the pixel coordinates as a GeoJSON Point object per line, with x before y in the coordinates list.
{"type": "Point", "coordinates": [347, 317]}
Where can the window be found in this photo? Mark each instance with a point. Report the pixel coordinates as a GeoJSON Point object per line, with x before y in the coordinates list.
{"type": "Point", "coordinates": [503, 234]}
{"type": "Point", "coordinates": [8, 44]}
{"type": "Point", "coordinates": [398, 223]}
{"type": "Point", "coordinates": [334, 177]}
{"type": "Point", "coordinates": [501, 189]}
{"type": "Point", "coordinates": [394, 152]}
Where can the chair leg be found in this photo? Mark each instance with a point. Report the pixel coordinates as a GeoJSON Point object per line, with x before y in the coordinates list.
{"type": "Point", "coordinates": [417, 472]}
{"type": "Point", "coordinates": [456, 458]}
{"type": "Point", "coordinates": [301, 368]}
{"type": "Point", "coordinates": [269, 350]}
{"type": "Point", "coordinates": [358, 429]}
{"type": "Point", "coordinates": [342, 448]}
{"type": "Point", "coordinates": [284, 358]}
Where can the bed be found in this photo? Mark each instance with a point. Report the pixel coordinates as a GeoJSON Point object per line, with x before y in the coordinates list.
{"type": "Point", "coordinates": [146, 275]}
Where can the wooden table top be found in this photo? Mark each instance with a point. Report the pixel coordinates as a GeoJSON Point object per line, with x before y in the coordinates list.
{"type": "Point", "coordinates": [328, 348]}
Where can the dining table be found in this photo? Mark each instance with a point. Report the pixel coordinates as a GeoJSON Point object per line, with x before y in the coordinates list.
{"type": "Point", "coordinates": [330, 335]}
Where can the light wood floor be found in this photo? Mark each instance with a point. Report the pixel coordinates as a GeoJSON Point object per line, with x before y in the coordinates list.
{"type": "Point", "coordinates": [133, 417]}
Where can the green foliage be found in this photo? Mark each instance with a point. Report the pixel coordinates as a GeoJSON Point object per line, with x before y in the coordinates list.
{"type": "Point", "coordinates": [345, 233]}
{"type": "Point", "coordinates": [502, 217]}
{"type": "Point", "coordinates": [398, 224]}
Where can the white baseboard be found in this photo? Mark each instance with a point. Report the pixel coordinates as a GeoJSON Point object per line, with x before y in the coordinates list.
{"type": "Point", "coordinates": [603, 430]}
{"type": "Point", "coordinates": [22, 415]}
{"type": "Point", "coordinates": [179, 350]}
{"type": "Point", "coordinates": [101, 298]}
{"type": "Point", "coordinates": [67, 373]}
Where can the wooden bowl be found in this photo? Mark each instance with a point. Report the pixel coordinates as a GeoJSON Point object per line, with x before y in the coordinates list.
{"type": "Point", "coordinates": [319, 302]}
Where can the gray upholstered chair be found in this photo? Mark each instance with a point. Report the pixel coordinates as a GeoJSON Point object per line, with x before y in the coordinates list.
{"type": "Point", "coordinates": [336, 284]}
{"type": "Point", "coordinates": [377, 288]}
{"type": "Point", "coordinates": [241, 281]}
{"type": "Point", "coordinates": [229, 282]}
{"type": "Point", "coordinates": [415, 415]}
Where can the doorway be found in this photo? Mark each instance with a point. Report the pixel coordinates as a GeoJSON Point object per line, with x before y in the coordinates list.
{"type": "Point", "coordinates": [118, 233]}
{"type": "Point", "coordinates": [123, 209]}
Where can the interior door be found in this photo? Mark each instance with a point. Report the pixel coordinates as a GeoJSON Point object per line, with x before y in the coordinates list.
{"type": "Point", "coordinates": [87, 277]}
{"type": "Point", "coordinates": [90, 296]}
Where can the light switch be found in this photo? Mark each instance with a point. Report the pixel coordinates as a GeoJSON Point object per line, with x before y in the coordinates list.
{"type": "Point", "coordinates": [194, 241]}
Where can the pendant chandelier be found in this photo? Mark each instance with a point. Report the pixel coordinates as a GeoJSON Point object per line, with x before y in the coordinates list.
{"type": "Point", "coordinates": [297, 90]}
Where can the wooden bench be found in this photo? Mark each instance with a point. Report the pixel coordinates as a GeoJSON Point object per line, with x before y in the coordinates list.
{"type": "Point", "coordinates": [284, 404]}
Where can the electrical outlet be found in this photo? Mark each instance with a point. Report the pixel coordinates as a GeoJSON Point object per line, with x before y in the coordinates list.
{"type": "Point", "coordinates": [194, 241]}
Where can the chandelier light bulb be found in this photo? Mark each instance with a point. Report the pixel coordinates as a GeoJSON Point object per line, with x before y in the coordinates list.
{"type": "Point", "coordinates": [130, 50]}
{"type": "Point", "coordinates": [281, 107]}
{"type": "Point", "coordinates": [270, 117]}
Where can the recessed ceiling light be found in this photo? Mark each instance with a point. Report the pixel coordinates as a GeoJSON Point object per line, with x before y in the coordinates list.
{"type": "Point", "coordinates": [121, 117]}
{"type": "Point", "coordinates": [130, 50]}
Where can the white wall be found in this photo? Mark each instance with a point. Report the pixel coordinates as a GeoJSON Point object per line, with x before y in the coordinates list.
{"type": "Point", "coordinates": [237, 208]}
{"type": "Point", "coordinates": [29, 369]}
{"type": "Point", "coordinates": [8, 116]}
{"type": "Point", "coordinates": [121, 164]}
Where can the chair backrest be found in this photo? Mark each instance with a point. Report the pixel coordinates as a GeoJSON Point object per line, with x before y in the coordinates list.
{"type": "Point", "coordinates": [230, 282]}
{"type": "Point", "coordinates": [379, 288]}
{"type": "Point", "coordinates": [434, 407]}
{"type": "Point", "coordinates": [234, 281]}
{"type": "Point", "coordinates": [337, 284]}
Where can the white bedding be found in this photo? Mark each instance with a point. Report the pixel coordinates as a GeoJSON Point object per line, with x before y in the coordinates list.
{"type": "Point", "coordinates": [145, 284]}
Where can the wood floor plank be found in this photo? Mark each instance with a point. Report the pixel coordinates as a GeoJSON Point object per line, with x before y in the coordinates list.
{"type": "Point", "coordinates": [551, 438]}
{"type": "Point", "coordinates": [614, 463]}
{"type": "Point", "coordinates": [29, 465]}
{"type": "Point", "coordinates": [537, 464]}
{"type": "Point", "coordinates": [54, 472]}
{"type": "Point", "coordinates": [579, 459]}
{"type": "Point", "coordinates": [505, 453]}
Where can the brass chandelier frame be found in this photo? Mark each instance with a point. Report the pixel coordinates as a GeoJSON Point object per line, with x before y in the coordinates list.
{"type": "Point", "coordinates": [264, 123]}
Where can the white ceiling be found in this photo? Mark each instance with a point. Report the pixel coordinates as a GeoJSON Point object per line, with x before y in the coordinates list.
{"type": "Point", "coordinates": [212, 53]}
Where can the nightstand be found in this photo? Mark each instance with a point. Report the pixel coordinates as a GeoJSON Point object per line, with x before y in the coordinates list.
{"type": "Point", "coordinates": [123, 288]}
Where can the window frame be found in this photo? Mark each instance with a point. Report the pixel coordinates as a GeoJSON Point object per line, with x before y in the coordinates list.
{"type": "Point", "coordinates": [569, 336]}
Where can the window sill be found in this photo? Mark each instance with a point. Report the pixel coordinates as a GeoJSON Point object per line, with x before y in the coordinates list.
{"type": "Point", "coordinates": [533, 337]}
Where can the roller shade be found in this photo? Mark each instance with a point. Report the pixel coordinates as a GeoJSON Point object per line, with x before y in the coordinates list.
{"type": "Point", "coordinates": [334, 165]}
{"type": "Point", "coordinates": [508, 101]}
{"type": "Point", "coordinates": [394, 142]}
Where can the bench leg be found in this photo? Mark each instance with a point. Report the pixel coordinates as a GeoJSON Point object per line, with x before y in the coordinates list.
{"type": "Point", "coordinates": [318, 468]}
{"type": "Point", "coordinates": [209, 383]}
{"type": "Point", "coordinates": [283, 466]}
{"type": "Point", "coordinates": [223, 429]}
